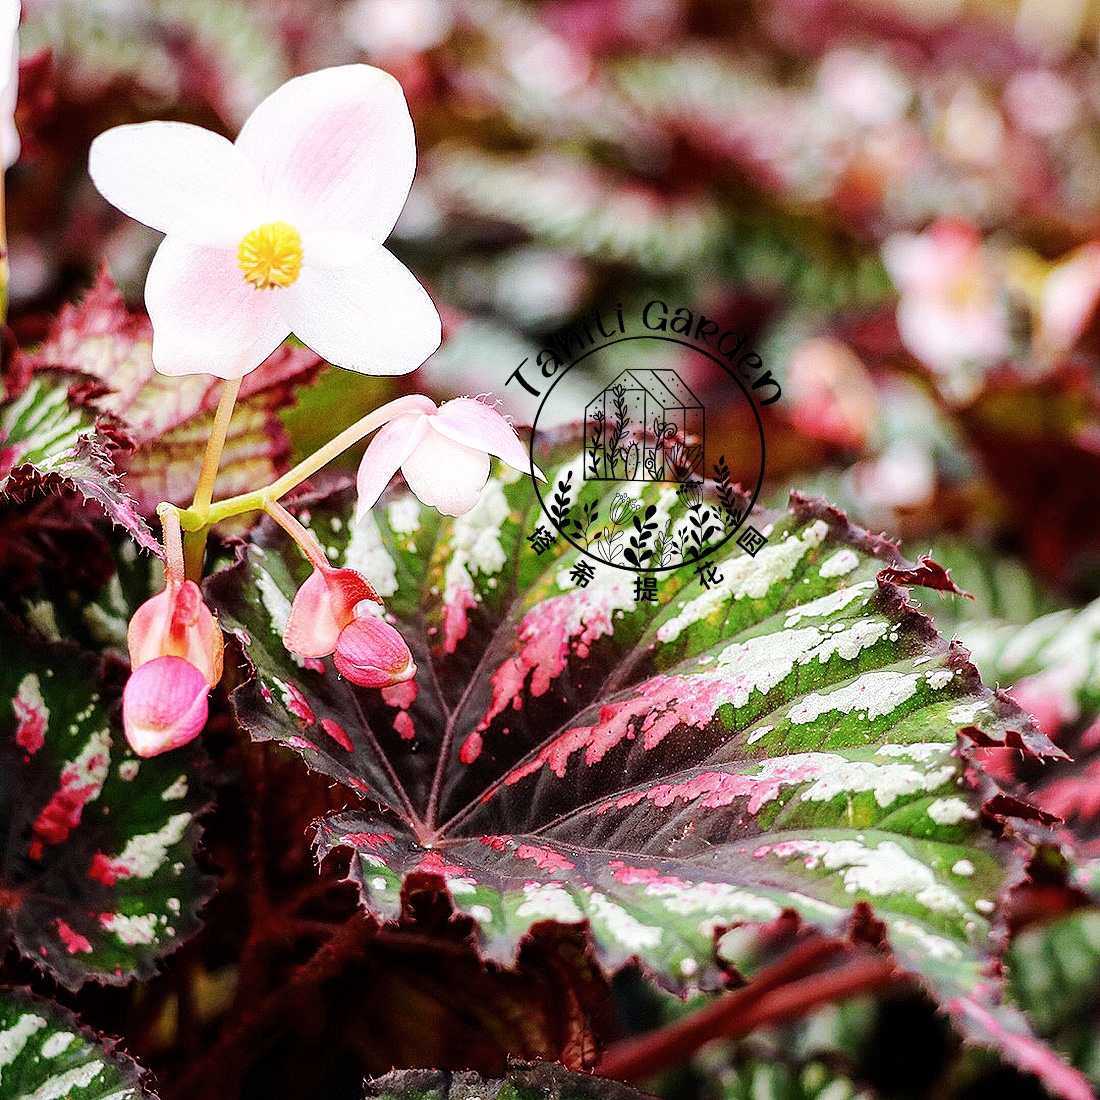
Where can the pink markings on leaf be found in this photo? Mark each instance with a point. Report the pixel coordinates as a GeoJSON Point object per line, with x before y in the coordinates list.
{"type": "Point", "coordinates": [651, 711]}
{"type": "Point", "coordinates": [434, 863]}
{"type": "Point", "coordinates": [107, 870]}
{"type": "Point", "coordinates": [73, 940]}
{"type": "Point", "coordinates": [81, 781]}
{"type": "Point", "coordinates": [297, 705]}
{"type": "Point", "coordinates": [643, 876]}
{"type": "Point", "coordinates": [497, 843]}
{"type": "Point", "coordinates": [658, 706]}
{"type": "Point", "coordinates": [719, 789]}
{"type": "Point", "coordinates": [337, 733]}
{"type": "Point", "coordinates": [374, 841]}
{"type": "Point", "coordinates": [546, 859]}
{"type": "Point", "coordinates": [547, 634]}
{"type": "Point", "coordinates": [31, 714]}
{"type": "Point", "coordinates": [402, 695]}
{"type": "Point", "coordinates": [471, 748]}
{"type": "Point", "coordinates": [455, 620]}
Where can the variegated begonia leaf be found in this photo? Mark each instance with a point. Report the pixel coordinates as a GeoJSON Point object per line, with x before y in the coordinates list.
{"type": "Point", "coordinates": [98, 877]}
{"type": "Point", "coordinates": [50, 432]}
{"type": "Point", "coordinates": [169, 419]}
{"type": "Point", "coordinates": [537, 1081]}
{"type": "Point", "coordinates": [784, 738]}
{"type": "Point", "coordinates": [45, 1052]}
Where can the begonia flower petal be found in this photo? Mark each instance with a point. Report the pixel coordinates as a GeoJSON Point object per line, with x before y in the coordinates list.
{"type": "Point", "coordinates": [177, 623]}
{"type": "Point", "coordinates": [178, 179]}
{"type": "Point", "coordinates": [371, 653]}
{"type": "Point", "coordinates": [335, 150]}
{"type": "Point", "coordinates": [385, 454]}
{"type": "Point", "coordinates": [374, 317]}
{"type": "Point", "coordinates": [447, 475]}
{"type": "Point", "coordinates": [311, 629]}
{"type": "Point", "coordinates": [164, 705]}
{"type": "Point", "coordinates": [322, 607]}
{"type": "Point", "coordinates": [148, 629]}
{"type": "Point", "coordinates": [477, 425]}
{"type": "Point", "coordinates": [206, 318]}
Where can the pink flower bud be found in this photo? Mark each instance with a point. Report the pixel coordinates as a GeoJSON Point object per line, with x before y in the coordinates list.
{"type": "Point", "coordinates": [176, 651]}
{"type": "Point", "coordinates": [164, 705]}
{"type": "Point", "coordinates": [177, 623]}
{"type": "Point", "coordinates": [324, 605]}
{"type": "Point", "coordinates": [370, 653]}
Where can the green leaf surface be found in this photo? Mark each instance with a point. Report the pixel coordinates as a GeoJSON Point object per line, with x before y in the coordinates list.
{"type": "Point", "coordinates": [45, 1054]}
{"type": "Point", "coordinates": [784, 739]}
{"type": "Point", "coordinates": [98, 877]}
{"type": "Point", "coordinates": [49, 434]}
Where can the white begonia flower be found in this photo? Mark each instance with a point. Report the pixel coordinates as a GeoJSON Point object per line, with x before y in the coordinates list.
{"type": "Point", "coordinates": [9, 81]}
{"type": "Point", "coordinates": [280, 231]}
{"type": "Point", "coordinates": [443, 453]}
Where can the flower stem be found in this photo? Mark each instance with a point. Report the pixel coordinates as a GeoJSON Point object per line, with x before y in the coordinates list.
{"type": "Point", "coordinates": [306, 540]}
{"type": "Point", "coordinates": [174, 567]}
{"type": "Point", "coordinates": [204, 491]}
{"type": "Point", "coordinates": [195, 541]}
{"type": "Point", "coordinates": [255, 501]}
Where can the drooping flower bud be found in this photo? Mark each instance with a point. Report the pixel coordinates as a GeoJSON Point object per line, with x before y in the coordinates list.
{"type": "Point", "coordinates": [323, 620]}
{"type": "Point", "coordinates": [176, 652]}
{"type": "Point", "coordinates": [164, 705]}
{"type": "Point", "coordinates": [371, 653]}
{"type": "Point", "coordinates": [324, 605]}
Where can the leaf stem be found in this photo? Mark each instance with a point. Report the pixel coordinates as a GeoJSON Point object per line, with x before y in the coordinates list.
{"type": "Point", "coordinates": [777, 993]}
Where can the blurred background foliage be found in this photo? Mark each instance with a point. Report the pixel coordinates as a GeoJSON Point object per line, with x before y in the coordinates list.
{"type": "Point", "coordinates": [897, 200]}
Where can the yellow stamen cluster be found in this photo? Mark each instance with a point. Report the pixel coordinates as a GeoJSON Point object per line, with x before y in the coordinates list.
{"type": "Point", "coordinates": [270, 255]}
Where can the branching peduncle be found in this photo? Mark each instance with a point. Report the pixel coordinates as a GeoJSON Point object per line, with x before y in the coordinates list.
{"type": "Point", "coordinates": [197, 520]}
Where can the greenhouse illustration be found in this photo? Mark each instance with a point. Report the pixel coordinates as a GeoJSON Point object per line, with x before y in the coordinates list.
{"type": "Point", "coordinates": [646, 425]}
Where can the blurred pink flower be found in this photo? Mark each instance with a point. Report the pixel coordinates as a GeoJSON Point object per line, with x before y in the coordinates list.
{"type": "Point", "coordinates": [1068, 300]}
{"type": "Point", "coordinates": [952, 313]}
{"type": "Point", "coordinates": [443, 453]}
{"type": "Point", "coordinates": [176, 656]}
{"type": "Point", "coordinates": [833, 397]}
{"type": "Point", "coordinates": [280, 231]}
{"type": "Point", "coordinates": [323, 620]}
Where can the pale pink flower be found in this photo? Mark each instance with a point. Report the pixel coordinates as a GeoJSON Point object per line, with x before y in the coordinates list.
{"type": "Point", "coordinates": [176, 655]}
{"type": "Point", "coordinates": [952, 312]}
{"type": "Point", "coordinates": [1068, 299]}
{"type": "Point", "coordinates": [280, 231]}
{"type": "Point", "coordinates": [324, 619]}
{"type": "Point", "coordinates": [443, 453]}
{"type": "Point", "coordinates": [9, 80]}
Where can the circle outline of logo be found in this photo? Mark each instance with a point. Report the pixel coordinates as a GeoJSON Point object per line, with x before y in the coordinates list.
{"type": "Point", "coordinates": [759, 427]}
